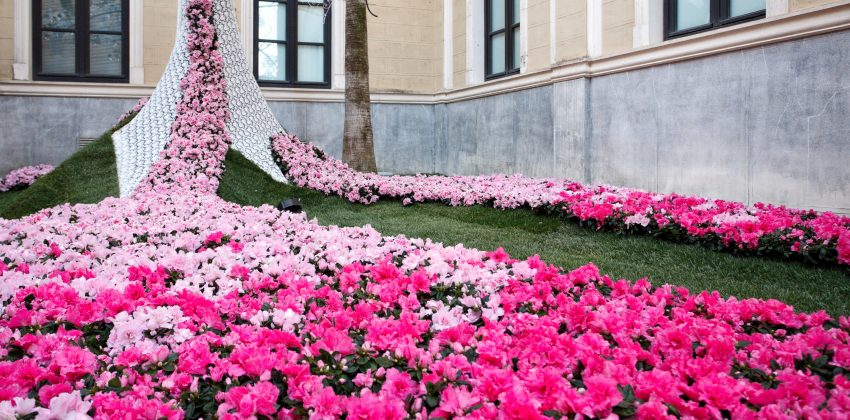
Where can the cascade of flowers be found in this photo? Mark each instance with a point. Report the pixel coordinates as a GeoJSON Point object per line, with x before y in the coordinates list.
{"type": "Point", "coordinates": [193, 158]}
{"type": "Point", "coordinates": [762, 228]}
{"type": "Point", "coordinates": [23, 177]}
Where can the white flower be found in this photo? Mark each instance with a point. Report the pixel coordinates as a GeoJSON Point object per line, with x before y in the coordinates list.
{"type": "Point", "coordinates": [129, 330]}
{"type": "Point", "coordinates": [21, 407]}
{"type": "Point", "coordinates": [446, 318]}
{"type": "Point", "coordinates": [260, 317]}
{"type": "Point", "coordinates": [494, 310]}
{"type": "Point", "coordinates": [67, 406]}
{"type": "Point", "coordinates": [286, 320]}
{"type": "Point", "coordinates": [7, 412]}
{"type": "Point", "coordinates": [637, 219]}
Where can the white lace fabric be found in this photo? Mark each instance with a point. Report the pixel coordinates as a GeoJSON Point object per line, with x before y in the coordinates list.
{"type": "Point", "coordinates": [252, 124]}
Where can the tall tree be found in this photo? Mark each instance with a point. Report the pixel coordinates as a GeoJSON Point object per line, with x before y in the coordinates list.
{"type": "Point", "coordinates": [358, 148]}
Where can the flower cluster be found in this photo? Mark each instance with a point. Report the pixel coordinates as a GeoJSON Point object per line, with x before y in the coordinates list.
{"type": "Point", "coordinates": [194, 156]}
{"type": "Point", "coordinates": [23, 177]}
{"type": "Point", "coordinates": [761, 229]}
{"type": "Point", "coordinates": [186, 306]}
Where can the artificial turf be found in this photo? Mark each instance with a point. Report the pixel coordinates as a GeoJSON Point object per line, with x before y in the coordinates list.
{"type": "Point", "coordinates": [90, 176]}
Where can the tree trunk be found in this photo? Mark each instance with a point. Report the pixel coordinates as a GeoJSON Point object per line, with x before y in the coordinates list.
{"type": "Point", "coordinates": [358, 149]}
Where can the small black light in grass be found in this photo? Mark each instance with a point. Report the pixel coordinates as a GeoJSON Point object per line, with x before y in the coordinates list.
{"type": "Point", "coordinates": [291, 205]}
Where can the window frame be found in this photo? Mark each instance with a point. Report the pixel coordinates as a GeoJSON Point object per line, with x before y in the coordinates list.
{"type": "Point", "coordinates": [508, 29]}
{"type": "Point", "coordinates": [718, 18]}
{"type": "Point", "coordinates": [82, 31]}
{"type": "Point", "coordinates": [292, 53]}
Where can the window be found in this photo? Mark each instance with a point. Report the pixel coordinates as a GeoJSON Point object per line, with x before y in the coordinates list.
{"type": "Point", "coordinates": [502, 43]}
{"type": "Point", "coordinates": [685, 17]}
{"type": "Point", "coordinates": [81, 40]}
{"type": "Point", "coordinates": [292, 44]}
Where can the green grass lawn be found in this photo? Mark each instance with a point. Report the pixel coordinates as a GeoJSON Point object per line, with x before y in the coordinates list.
{"type": "Point", "coordinates": [87, 177]}
{"type": "Point", "coordinates": [521, 232]}
{"type": "Point", "coordinates": [8, 197]}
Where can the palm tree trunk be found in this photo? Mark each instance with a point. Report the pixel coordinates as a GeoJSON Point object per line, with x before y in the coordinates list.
{"type": "Point", "coordinates": [358, 149]}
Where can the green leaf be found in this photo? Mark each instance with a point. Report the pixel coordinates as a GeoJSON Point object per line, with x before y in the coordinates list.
{"type": "Point", "coordinates": [555, 414]}
{"type": "Point", "coordinates": [742, 344]}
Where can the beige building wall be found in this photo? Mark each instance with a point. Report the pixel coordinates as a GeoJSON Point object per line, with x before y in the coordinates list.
{"type": "Point", "coordinates": [406, 39]}
{"type": "Point", "coordinates": [571, 30]}
{"type": "Point", "coordinates": [797, 5]}
{"type": "Point", "coordinates": [618, 22]}
{"type": "Point", "coordinates": [402, 42]}
{"type": "Point", "coordinates": [159, 20]}
{"type": "Point", "coordinates": [7, 44]}
{"type": "Point", "coordinates": [539, 56]}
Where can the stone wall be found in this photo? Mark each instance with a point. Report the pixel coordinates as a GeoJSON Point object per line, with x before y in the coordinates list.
{"type": "Point", "coordinates": [36, 130]}
{"type": "Point", "coordinates": [766, 124]}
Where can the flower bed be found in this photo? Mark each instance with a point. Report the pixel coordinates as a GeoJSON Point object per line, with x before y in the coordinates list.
{"type": "Point", "coordinates": [760, 229]}
{"type": "Point", "coordinates": [23, 177]}
{"type": "Point", "coordinates": [176, 304]}
{"type": "Point", "coordinates": [187, 306]}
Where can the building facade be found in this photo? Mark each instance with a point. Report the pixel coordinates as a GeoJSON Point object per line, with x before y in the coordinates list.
{"type": "Point", "coordinates": [746, 100]}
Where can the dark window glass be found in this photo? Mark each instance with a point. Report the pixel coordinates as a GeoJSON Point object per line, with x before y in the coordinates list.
{"type": "Point", "coordinates": [502, 38]}
{"type": "Point", "coordinates": [81, 40]}
{"type": "Point", "coordinates": [293, 43]}
{"type": "Point", "coordinates": [685, 17]}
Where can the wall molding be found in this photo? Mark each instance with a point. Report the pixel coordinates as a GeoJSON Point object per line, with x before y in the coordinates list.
{"type": "Point", "coordinates": [338, 44]}
{"type": "Point", "coordinates": [137, 42]}
{"type": "Point", "coordinates": [749, 35]}
{"type": "Point", "coordinates": [777, 8]}
{"type": "Point", "coordinates": [246, 27]}
{"type": "Point", "coordinates": [553, 31]}
{"type": "Point", "coordinates": [523, 36]}
{"type": "Point", "coordinates": [474, 42]}
{"type": "Point", "coordinates": [22, 33]}
{"type": "Point", "coordinates": [594, 28]}
{"type": "Point", "coordinates": [448, 44]}
{"type": "Point", "coordinates": [649, 23]}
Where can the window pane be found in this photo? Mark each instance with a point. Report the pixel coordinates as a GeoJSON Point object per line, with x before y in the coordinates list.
{"type": "Point", "coordinates": [516, 50]}
{"type": "Point", "coordinates": [105, 55]}
{"type": "Point", "coordinates": [272, 20]}
{"type": "Point", "coordinates": [58, 14]}
{"type": "Point", "coordinates": [497, 53]}
{"type": "Point", "coordinates": [691, 13]}
{"type": "Point", "coordinates": [516, 11]}
{"type": "Point", "coordinates": [58, 52]}
{"type": "Point", "coordinates": [271, 60]}
{"type": "Point", "coordinates": [743, 7]}
{"type": "Point", "coordinates": [497, 14]}
{"type": "Point", "coordinates": [105, 15]}
{"type": "Point", "coordinates": [311, 24]}
{"type": "Point", "coordinates": [311, 63]}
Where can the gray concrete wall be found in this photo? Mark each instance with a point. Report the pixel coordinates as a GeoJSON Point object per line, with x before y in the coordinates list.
{"type": "Point", "coordinates": [767, 124]}
{"type": "Point", "coordinates": [405, 135]}
{"type": "Point", "coordinates": [36, 130]}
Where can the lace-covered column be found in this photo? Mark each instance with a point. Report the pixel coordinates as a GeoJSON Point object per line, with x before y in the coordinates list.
{"type": "Point", "coordinates": [252, 124]}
